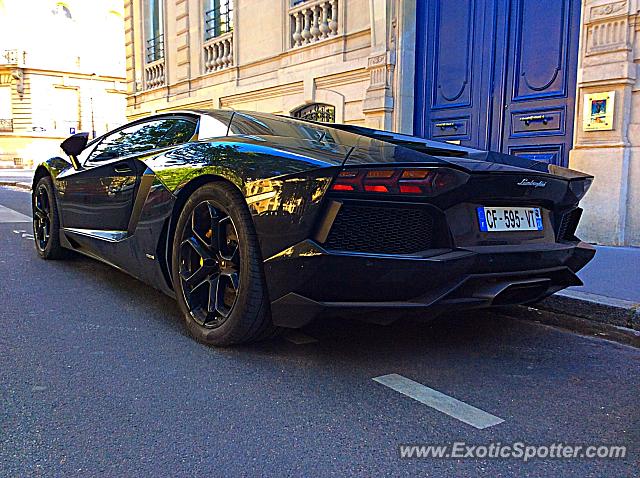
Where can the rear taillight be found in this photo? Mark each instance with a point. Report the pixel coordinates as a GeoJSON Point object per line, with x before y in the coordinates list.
{"type": "Point", "coordinates": [417, 181]}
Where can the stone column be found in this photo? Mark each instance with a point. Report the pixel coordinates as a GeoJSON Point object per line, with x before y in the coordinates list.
{"type": "Point", "coordinates": [405, 68]}
{"type": "Point", "coordinates": [608, 54]}
{"type": "Point", "coordinates": [134, 51]}
{"type": "Point", "coordinates": [378, 101]}
{"type": "Point", "coordinates": [181, 45]}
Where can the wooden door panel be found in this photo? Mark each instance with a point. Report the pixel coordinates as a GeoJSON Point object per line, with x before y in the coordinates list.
{"type": "Point", "coordinates": [453, 71]}
{"type": "Point", "coordinates": [454, 29]}
{"type": "Point", "coordinates": [548, 153]}
{"type": "Point", "coordinates": [498, 74]}
{"type": "Point", "coordinates": [541, 33]}
{"type": "Point", "coordinates": [539, 80]}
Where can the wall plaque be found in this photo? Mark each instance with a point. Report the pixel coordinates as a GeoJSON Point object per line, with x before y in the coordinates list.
{"type": "Point", "coordinates": [598, 111]}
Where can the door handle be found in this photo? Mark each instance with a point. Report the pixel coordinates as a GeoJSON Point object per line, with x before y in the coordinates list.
{"type": "Point", "coordinates": [442, 126]}
{"type": "Point", "coordinates": [122, 168]}
{"type": "Point", "coordinates": [528, 119]}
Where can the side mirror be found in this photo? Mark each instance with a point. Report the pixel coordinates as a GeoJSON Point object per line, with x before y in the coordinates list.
{"type": "Point", "coordinates": [74, 145]}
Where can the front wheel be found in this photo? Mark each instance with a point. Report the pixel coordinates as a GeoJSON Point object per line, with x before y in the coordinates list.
{"type": "Point", "coordinates": [217, 269]}
{"type": "Point", "coordinates": [46, 222]}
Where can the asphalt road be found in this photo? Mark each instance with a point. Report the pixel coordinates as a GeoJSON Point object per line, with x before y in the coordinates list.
{"type": "Point", "coordinates": [98, 378]}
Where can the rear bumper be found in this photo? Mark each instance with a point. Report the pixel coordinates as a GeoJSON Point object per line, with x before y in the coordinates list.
{"type": "Point", "coordinates": [306, 280]}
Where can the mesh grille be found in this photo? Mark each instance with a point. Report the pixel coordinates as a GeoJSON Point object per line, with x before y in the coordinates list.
{"type": "Point", "coordinates": [568, 225]}
{"type": "Point", "coordinates": [382, 230]}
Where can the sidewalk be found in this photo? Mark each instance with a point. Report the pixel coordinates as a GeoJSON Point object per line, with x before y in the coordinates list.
{"type": "Point", "coordinates": [614, 272]}
{"type": "Point", "coordinates": [21, 178]}
{"type": "Point", "coordinates": [608, 304]}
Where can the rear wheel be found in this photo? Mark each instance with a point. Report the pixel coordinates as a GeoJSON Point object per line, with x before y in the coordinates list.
{"type": "Point", "coordinates": [217, 269]}
{"type": "Point", "coordinates": [46, 223]}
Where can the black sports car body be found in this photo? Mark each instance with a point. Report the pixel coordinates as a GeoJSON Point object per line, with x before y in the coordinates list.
{"type": "Point", "coordinates": [255, 222]}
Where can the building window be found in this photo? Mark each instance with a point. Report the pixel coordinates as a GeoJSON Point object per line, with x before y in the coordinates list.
{"type": "Point", "coordinates": [66, 110]}
{"type": "Point", "coordinates": [154, 31]}
{"type": "Point", "coordinates": [316, 112]}
{"type": "Point", "coordinates": [6, 116]}
{"type": "Point", "coordinates": [218, 18]}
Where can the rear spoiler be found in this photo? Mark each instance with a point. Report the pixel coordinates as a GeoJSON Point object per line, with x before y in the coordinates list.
{"type": "Point", "coordinates": [432, 148]}
{"type": "Point", "coordinates": [448, 150]}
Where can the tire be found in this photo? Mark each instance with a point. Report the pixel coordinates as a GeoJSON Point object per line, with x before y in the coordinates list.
{"type": "Point", "coordinates": [46, 221]}
{"type": "Point", "coordinates": [217, 269]}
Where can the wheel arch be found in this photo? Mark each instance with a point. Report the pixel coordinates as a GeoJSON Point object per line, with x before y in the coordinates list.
{"type": "Point", "coordinates": [40, 172]}
{"type": "Point", "coordinates": [52, 167]}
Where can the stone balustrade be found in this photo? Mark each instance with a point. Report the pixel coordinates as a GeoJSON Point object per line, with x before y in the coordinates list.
{"type": "Point", "coordinates": [312, 21]}
{"type": "Point", "coordinates": [154, 74]}
{"type": "Point", "coordinates": [218, 53]}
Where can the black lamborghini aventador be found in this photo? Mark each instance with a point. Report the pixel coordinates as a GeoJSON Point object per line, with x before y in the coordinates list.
{"type": "Point", "coordinates": [255, 222]}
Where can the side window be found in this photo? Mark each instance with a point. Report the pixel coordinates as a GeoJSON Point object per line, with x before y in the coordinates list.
{"type": "Point", "coordinates": [86, 152]}
{"type": "Point", "coordinates": [181, 132]}
{"type": "Point", "coordinates": [137, 138]}
{"type": "Point", "coordinates": [214, 124]}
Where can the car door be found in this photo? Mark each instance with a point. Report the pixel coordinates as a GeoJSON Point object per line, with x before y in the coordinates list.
{"type": "Point", "coordinates": [100, 196]}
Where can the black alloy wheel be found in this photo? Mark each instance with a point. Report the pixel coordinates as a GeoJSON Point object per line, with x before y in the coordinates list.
{"type": "Point", "coordinates": [217, 268]}
{"type": "Point", "coordinates": [41, 217]}
{"type": "Point", "coordinates": [210, 264]}
{"type": "Point", "coordinates": [46, 223]}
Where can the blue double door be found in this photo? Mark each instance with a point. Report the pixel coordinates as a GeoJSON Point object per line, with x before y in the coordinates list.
{"type": "Point", "coordinates": [498, 74]}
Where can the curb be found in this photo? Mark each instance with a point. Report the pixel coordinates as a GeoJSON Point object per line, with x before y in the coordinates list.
{"type": "Point", "coordinates": [593, 307]}
{"type": "Point", "coordinates": [17, 184]}
{"type": "Point", "coordinates": [578, 325]}
{"type": "Point", "coordinates": [587, 314]}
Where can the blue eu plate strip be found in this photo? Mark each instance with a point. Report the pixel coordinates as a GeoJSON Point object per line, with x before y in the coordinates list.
{"type": "Point", "coordinates": [538, 218]}
{"type": "Point", "coordinates": [482, 219]}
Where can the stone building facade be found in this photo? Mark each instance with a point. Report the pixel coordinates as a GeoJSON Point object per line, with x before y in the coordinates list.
{"type": "Point", "coordinates": [380, 63]}
{"type": "Point", "coordinates": [609, 57]}
{"type": "Point", "coordinates": [277, 57]}
{"type": "Point", "coordinates": [61, 70]}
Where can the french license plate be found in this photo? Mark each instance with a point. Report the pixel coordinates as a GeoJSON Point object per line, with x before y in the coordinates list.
{"type": "Point", "coordinates": [494, 219]}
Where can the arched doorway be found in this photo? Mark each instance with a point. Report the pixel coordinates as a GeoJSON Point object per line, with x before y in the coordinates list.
{"type": "Point", "coordinates": [321, 112]}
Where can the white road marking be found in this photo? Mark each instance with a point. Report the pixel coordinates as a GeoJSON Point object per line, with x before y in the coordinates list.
{"type": "Point", "coordinates": [444, 403]}
{"type": "Point", "coordinates": [9, 215]}
{"type": "Point", "coordinates": [298, 338]}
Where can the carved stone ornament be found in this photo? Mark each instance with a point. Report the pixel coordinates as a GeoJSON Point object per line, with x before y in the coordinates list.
{"type": "Point", "coordinates": [609, 9]}
{"type": "Point", "coordinates": [377, 60]}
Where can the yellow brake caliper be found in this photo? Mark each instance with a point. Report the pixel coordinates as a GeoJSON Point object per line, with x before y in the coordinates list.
{"type": "Point", "coordinates": [208, 235]}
